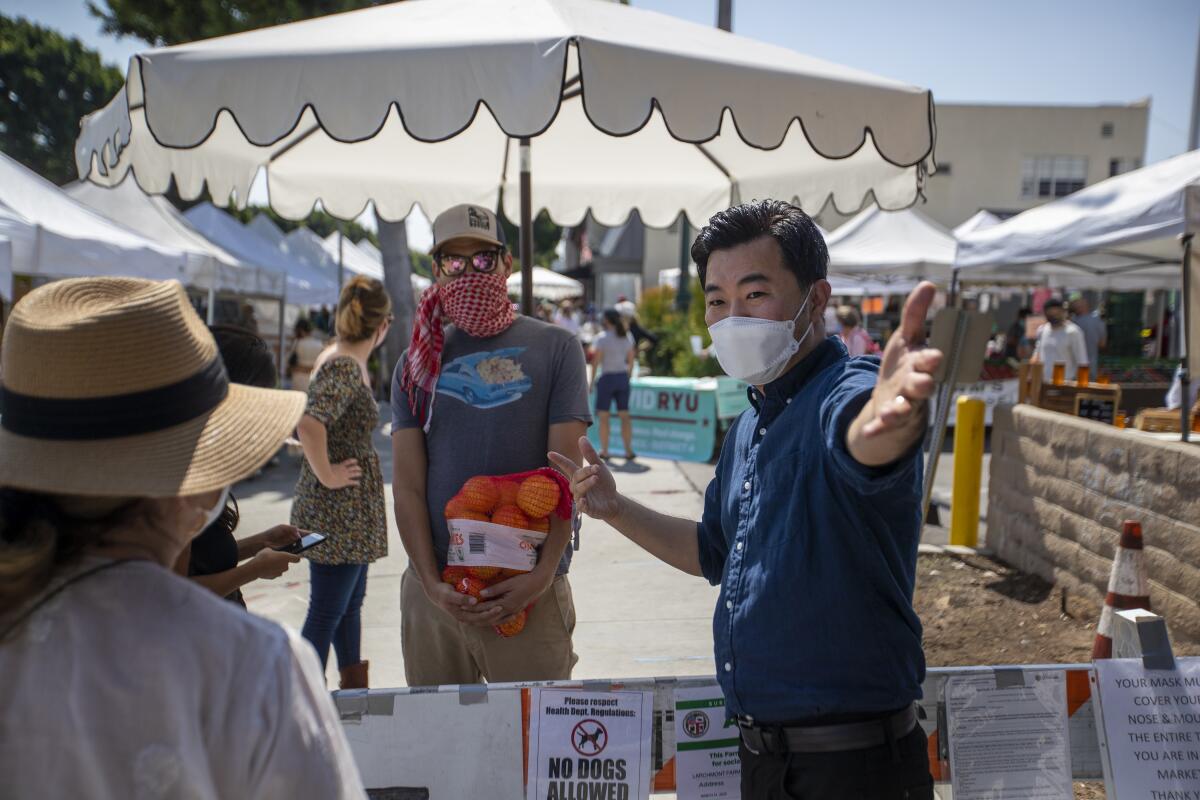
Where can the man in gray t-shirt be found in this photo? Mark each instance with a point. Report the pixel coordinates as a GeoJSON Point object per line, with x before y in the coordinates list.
{"type": "Point", "coordinates": [507, 392]}
{"type": "Point", "coordinates": [1095, 332]}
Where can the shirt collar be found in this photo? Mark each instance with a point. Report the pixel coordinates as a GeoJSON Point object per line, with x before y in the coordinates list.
{"type": "Point", "coordinates": [791, 382]}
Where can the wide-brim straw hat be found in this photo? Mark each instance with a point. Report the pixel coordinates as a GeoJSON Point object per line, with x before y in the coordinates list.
{"type": "Point", "coordinates": [114, 387]}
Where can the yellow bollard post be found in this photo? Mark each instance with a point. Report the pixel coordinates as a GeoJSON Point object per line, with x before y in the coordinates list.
{"type": "Point", "coordinates": [968, 471]}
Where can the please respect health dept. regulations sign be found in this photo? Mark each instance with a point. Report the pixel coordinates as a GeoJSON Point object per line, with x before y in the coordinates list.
{"type": "Point", "coordinates": [1149, 724]}
{"type": "Point", "coordinates": [589, 745]}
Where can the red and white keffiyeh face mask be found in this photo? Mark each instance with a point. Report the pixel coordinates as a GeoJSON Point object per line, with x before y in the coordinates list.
{"type": "Point", "coordinates": [477, 304]}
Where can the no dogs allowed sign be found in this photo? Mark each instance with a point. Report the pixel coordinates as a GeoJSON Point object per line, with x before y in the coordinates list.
{"type": "Point", "coordinates": [589, 745]}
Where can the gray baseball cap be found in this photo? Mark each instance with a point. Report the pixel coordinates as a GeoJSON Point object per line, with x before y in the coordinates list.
{"type": "Point", "coordinates": [467, 221]}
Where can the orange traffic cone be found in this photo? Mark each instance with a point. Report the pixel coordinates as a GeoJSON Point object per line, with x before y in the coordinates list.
{"type": "Point", "coordinates": [1127, 587]}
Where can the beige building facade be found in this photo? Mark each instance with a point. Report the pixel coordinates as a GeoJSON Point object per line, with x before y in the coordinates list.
{"type": "Point", "coordinates": [1009, 158]}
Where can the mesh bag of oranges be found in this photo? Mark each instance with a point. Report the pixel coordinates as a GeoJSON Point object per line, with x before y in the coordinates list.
{"type": "Point", "coordinates": [498, 524]}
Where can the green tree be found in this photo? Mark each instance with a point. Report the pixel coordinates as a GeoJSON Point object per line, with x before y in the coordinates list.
{"type": "Point", "coordinates": [545, 238]}
{"type": "Point", "coordinates": [49, 82]}
{"type": "Point", "coordinates": [160, 22]}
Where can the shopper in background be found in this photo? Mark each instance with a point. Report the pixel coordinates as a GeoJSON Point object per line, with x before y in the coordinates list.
{"type": "Point", "coordinates": [213, 559]}
{"type": "Point", "coordinates": [1059, 341]}
{"type": "Point", "coordinates": [858, 342]}
{"type": "Point", "coordinates": [613, 357]}
{"type": "Point", "coordinates": [1095, 332]}
{"type": "Point", "coordinates": [340, 491]}
{"type": "Point", "coordinates": [306, 349]}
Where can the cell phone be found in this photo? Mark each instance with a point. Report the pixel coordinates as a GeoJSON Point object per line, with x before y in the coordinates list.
{"type": "Point", "coordinates": [303, 543]}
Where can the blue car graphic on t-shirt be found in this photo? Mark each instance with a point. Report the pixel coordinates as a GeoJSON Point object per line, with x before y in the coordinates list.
{"type": "Point", "coordinates": [485, 380]}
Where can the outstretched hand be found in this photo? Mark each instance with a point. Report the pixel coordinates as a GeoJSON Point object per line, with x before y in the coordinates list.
{"type": "Point", "coordinates": [592, 486]}
{"type": "Point", "coordinates": [895, 414]}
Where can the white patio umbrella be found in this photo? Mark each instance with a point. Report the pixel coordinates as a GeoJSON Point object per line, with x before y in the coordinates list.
{"type": "Point", "coordinates": [440, 102]}
{"type": "Point", "coordinates": [547, 285]}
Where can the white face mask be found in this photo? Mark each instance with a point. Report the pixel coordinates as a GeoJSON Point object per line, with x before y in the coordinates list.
{"type": "Point", "coordinates": [215, 512]}
{"type": "Point", "coordinates": [758, 350]}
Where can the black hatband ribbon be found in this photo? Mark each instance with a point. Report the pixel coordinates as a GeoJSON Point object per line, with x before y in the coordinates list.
{"type": "Point", "coordinates": [115, 416]}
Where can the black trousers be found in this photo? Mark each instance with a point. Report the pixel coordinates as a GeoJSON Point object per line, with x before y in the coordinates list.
{"type": "Point", "coordinates": [898, 770]}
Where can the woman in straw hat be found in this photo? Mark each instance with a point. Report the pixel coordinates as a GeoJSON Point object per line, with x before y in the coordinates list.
{"type": "Point", "coordinates": [119, 438]}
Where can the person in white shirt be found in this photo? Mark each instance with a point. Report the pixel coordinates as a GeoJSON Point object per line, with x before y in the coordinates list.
{"type": "Point", "coordinates": [1059, 341]}
{"type": "Point", "coordinates": [120, 435]}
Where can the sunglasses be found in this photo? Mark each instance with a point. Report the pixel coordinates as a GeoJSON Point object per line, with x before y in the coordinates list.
{"type": "Point", "coordinates": [485, 261]}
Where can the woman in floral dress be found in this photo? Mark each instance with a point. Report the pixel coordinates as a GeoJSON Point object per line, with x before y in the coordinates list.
{"type": "Point", "coordinates": [340, 491]}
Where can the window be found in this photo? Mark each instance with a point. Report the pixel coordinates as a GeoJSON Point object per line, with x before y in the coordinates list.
{"type": "Point", "coordinates": [1117, 166]}
{"type": "Point", "coordinates": [1052, 176]}
{"type": "Point", "coordinates": [1106, 130]}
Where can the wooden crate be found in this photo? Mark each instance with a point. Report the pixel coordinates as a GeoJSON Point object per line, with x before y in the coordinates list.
{"type": "Point", "coordinates": [1068, 398]}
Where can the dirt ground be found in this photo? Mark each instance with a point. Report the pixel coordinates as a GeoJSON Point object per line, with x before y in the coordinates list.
{"type": "Point", "coordinates": [977, 610]}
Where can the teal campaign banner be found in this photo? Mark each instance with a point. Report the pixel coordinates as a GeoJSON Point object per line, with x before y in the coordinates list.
{"type": "Point", "coordinates": [673, 418]}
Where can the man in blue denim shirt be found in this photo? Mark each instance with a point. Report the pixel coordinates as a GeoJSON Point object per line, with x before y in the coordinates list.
{"type": "Point", "coordinates": [811, 523]}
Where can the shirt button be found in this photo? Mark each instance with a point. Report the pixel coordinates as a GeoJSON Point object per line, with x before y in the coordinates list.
{"type": "Point", "coordinates": [762, 431]}
{"type": "Point", "coordinates": [746, 486]}
{"type": "Point", "coordinates": [729, 605]}
{"type": "Point", "coordinates": [739, 545]}
{"type": "Point", "coordinates": [728, 667]}
{"type": "Point", "coordinates": [789, 401]}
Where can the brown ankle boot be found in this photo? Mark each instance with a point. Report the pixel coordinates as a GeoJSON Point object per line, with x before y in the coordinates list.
{"type": "Point", "coordinates": [354, 676]}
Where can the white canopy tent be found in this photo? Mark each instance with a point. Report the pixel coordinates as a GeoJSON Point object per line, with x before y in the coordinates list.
{"type": "Point", "coordinates": [156, 219]}
{"type": "Point", "coordinates": [50, 234]}
{"type": "Point", "coordinates": [455, 101]}
{"type": "Point", "coordinates": [1124, 232]}
{"type": "Point", "coordinates": [1121, 233]}
{"type": "Point", "coordinates": [302, 287]}
{"type": "Point", "coordinates": [981, 220]}
{"type": "Point", "coordinates": [363, 258]}
{"type": "Point", "coordinates": [892, 244]}
{"type": "Point", "coordinates": [547, 285]}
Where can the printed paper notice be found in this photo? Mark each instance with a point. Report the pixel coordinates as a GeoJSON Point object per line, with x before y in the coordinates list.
{"type": "Point", "coordinates": [1150, 726]}
{"type": "Point", "coordinates": [585, 745]}
{"type": "Point", "coordinates": [707, 766]}
{"type": "Point", "coordinates": [1008, 737]}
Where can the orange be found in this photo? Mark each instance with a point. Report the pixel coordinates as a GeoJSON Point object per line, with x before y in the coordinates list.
{"type": "Point", "coordinates": [542, 525]}
{"type": "Point", "coordinates": [475, 515]}
{"type": "Point", "coordinates": [470, 586]}
{"type": "Point", "coordinates": [457, 507]}
{"type": "Point", "coordinates": [505, 574]}
{"type": "Point", "coordinates": [511, 516]}
{"type": "Point", "coordinates": [484, 573]}
{"type": "Point", "coordinates": [452, 575]}
{"type": "Point", "coordinates": [513, 626]}
{"type": "Point", "coordinates": [538, 496]}
{"type": "Point", "coordinates": [480, 494]}
{"type": "Point", "coordinates": [508, 493]}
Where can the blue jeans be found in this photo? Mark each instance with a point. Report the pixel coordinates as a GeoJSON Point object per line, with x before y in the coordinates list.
{"type": "Point", "coordinates": [335, 611]}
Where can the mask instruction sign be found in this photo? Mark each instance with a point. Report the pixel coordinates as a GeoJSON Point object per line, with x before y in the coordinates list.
{"type": "Point", "coordinates": [707, 766]}
{"type": "Point", "coordinates": [1008, 736]}
{"type": "Point", "coordinates": [589, 745]}
{"type": "Point", "coordinates": [1149, 721]}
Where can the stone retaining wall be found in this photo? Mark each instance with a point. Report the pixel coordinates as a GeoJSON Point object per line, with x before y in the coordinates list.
{"type": "Point", "coordinates": [1061, 487]}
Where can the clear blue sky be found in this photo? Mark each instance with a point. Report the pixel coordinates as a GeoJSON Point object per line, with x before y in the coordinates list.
{"type": "Point", "coordinates": [1020, 51]}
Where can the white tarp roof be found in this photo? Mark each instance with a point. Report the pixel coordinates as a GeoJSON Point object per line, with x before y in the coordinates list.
{"type": "Point", "coordinates": [302, 287]}
{"type": "Point", "coordinates": [364, 258]}
{"type": "Point", "coordinates": [158, 220]}
{"type": "Point", "coordinates": [1118, 233]}
{"type": "Point", "coordinates": [52, 234]}
{"type": "Point", "coordinates": [547, 285]}
{"type": "Point", "coordinates": [893, 244]}
{"type": "Point", "coordinates": [628, 109]}
{"type": "Point", "coordinates": [981, 220]}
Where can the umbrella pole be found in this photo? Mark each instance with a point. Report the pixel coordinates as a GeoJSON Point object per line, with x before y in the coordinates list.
{"type": "Point", "coordinates": [1184, 377]}
{"type": "Point", "coordinates": [526, 233]}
